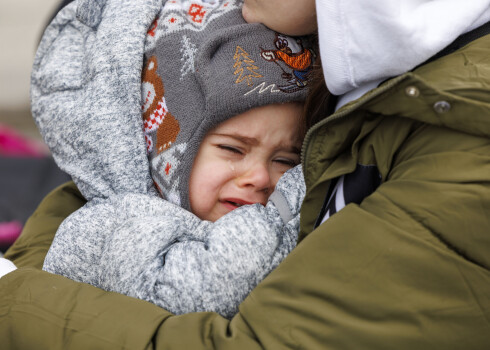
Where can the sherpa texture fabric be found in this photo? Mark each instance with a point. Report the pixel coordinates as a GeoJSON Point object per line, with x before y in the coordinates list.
{"type": "Point", "coordinates": [86, 98]}
{"type": "Point", "coordinates": [86, 93]}
{"type": "Point", "coordinates": [203, 65]}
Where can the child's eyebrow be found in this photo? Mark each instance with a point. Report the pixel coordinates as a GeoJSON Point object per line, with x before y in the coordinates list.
{"type": "Point", "coordinates": [245, 139]}
{"type": "Point", "coordinates": [254, 142]}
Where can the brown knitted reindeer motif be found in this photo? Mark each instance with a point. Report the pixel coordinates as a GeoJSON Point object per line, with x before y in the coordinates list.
{"type": "Point", "coordinates": [156, 117]}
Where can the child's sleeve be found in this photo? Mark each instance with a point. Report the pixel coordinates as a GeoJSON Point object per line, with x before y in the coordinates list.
{"type": "Point", "coordinates": [148, 248]}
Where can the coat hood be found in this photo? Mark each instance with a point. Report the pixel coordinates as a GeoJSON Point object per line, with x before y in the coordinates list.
{"type": "Point", "coordinates": [363, 43]}
{"type": "Point", "coordinates": [86, 80]}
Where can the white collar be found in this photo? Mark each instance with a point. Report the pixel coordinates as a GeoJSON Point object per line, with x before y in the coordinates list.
{"type": "Point", "coordinates": [356, 93]}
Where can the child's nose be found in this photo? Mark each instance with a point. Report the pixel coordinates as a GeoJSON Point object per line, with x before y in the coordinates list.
{"type": "Point", "coordinates": [257, 176]}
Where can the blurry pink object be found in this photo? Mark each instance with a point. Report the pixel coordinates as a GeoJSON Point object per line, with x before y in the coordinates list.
{"type": "Point", "coordinates": [12, 144]}
{"type": "Point", "coordinates": [9, 232]}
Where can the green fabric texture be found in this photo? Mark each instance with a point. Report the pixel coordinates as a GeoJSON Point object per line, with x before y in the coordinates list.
{"type": "Point", "coordinates": [408, 268]}
{"type": "Point", "coordinates": [31, 247]}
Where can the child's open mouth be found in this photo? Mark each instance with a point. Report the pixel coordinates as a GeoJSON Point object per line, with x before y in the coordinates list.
{"type": "Point", "coordinates": [233, 203]}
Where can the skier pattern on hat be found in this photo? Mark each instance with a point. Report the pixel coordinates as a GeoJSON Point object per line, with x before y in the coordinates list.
{"type": "Point", "coordinates": [290, 55]}
{"type": "Point", "coordinates": [294, 57]}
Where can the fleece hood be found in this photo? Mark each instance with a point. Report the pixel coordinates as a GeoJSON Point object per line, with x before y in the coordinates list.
{"type": "Point", "coordinates": [365, 42]}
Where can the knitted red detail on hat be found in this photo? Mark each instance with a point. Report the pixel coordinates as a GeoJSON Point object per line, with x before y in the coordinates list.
{"type": "Point", "coordinates": [156, 117]}
{"type": "Point", "coordinates": [167, 168]}
{"type": "Point", "coordinates": [197, 13]}
{"type": "Point", "coordinates": [149, 144]}
{"type": "Point", "coordinates": [153, 27]}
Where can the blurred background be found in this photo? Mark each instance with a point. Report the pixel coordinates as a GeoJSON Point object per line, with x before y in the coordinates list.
{"type": "Point", "coordinates": [21, 25]}
{"type": "Point", "coordinates": [27, 171]}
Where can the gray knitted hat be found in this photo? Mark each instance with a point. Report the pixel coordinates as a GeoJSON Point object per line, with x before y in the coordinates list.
{"type": "Point", "coordinates": [203, 65]}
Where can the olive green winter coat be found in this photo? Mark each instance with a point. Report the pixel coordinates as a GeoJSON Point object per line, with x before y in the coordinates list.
{"type": "Point", "coordinates": [407, 268]}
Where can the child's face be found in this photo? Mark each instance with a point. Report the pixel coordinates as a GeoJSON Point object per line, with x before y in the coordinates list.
{"type": "Point", "coordinates": [290, 17]}
{"type": "Point", "coordinates": [240, 161]}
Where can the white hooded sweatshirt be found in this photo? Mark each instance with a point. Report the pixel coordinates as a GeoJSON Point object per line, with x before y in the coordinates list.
{"type": "Point", "coordinates": [364, 42]}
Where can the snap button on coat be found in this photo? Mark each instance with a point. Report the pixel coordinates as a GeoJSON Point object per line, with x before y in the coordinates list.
{"type": "Point", "coordinates": [412, 91]}
{"type": "Point", "coordinates": [442, 107]}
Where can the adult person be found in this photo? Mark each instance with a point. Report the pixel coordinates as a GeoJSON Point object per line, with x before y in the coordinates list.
{"type": "Point", "coordinates": [405, 265]}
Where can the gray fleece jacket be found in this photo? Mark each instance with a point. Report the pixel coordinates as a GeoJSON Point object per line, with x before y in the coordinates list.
{"type": "Point", "coordinates": [86, 100]}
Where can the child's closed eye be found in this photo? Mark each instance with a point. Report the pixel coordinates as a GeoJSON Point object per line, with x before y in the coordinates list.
{"type": "Point", "coordinates": [231, 149]}
{"type": "Point", "coordinates": [287, 162]}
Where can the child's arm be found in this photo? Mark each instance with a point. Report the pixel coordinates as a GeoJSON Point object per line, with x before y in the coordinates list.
{"type": "Point", "coordinates": [150, 249]}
